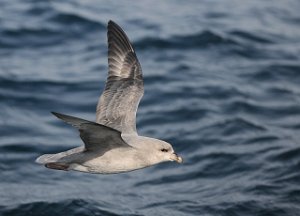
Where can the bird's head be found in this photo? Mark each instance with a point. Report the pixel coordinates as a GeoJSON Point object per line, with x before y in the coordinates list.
{"type": "Point", "coordinates": [160, 151]}
{"type": "Point", "coordinates": [165, 151]}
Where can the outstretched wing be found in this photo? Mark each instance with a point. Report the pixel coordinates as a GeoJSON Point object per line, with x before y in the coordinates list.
{"type": "Point", "coordinates": [124, 88]}
{"type": "Point", "coordinates": [95, 136]}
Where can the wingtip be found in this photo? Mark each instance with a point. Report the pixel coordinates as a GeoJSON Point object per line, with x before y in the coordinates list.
{"type": "Point", "coordinates": [116, 33]}
{"type": "Point", "coordinates": [111, 23]}
{"type": "Point", "coordinates": [56, 114]}
{"type": "Point", "coordinates": [60, 116]}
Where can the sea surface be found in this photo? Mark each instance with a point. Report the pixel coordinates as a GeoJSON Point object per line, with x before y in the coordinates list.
{"type": "Point", "coordinates": [222, 84]}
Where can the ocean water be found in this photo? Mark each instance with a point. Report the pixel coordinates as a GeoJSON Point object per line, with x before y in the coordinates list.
{"type": "Point", "coordinates": [222, 84]}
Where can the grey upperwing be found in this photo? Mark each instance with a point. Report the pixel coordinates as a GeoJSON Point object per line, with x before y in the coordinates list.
{"type": "Point", "coordinates": [124, 88]}
{"type": "Point", "coordinates": [96, 137]}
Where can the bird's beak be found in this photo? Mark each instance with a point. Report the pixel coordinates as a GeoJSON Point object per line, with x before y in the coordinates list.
{"type": "Point", "coordinates": [176, 158]}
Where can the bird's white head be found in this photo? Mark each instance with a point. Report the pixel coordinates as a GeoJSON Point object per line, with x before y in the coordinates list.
{"type": "Point", "coordinates": [166, 152]}
{"type": "Point", "coordinates": [159, 151]}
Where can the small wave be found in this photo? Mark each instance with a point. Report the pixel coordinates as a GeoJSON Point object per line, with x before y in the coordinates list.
{"type": "Point", "coordinates": [222, 164]}
{"type": "Point", "coordinates": [169, 179]}
{"type": "Point", "coordinates": [216, 15]}
{"type": "Point", "coordinates": [19, 88]}
{"type": "Point", "coordinates": [220, 92]}
{"type": "Point", "coordinates": [253, 207]}
{"type": "Point", "coordinates": [289, 154]}
{"type": "Point", "coordinates": [277, 72]}
{"type": "Point", "coordinates": [155, 78]}
{"type": "Point", "coordinates": [74, 20]}
{"type": "Point", "coordinates": [38, 84]}
{"type": "Point", "coordinates": [262, 110]}
{"type": "Point", "coordinates": [248, 52]}
{"type": "Point", "coordinates": [280, 91]}
{"type": "Point", "coordinates": [284, 174]}
{"type": "Point", "coordinates": [263, 188]}
{"type": "Point", "coordinates": [232, 127]}
{"type": "Point", "coordinates": [239, 125]}
{"type": "Point", "coordinates": [262, 139]}
{"type": "Point", "coordinates": [26, 37]}
{"type": "Point", "coordinates": [194, 41]}
{"type": "Point", "coordinates": [184, 113]}
{"type": "Point", "coordinates": [250, 37]}
{"type": "Point", "coordinates": [56, 29]}
{"type": "Point", "coordinates": [38, 9]}
{"type": "Point", "coordinates": [18, 94]}
{"type": "Point", "coordinates": [67, 207]}
{"type": "Point", "coordinates": [18, 147]}
{"type": "Point", "coordinates": [288, 176]}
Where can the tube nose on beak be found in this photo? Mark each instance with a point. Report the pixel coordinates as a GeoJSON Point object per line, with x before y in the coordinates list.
{"type": "Point", "coordinates": [177, 158]}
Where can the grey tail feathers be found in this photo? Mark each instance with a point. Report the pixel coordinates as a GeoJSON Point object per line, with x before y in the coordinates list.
{"type": "Point", "coordinates": [43, 159]}
{"type": "Point", "coordinates": [49, 160]}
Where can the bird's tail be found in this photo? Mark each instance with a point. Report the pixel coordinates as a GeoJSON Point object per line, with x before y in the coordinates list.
{"type": "Point", "coordinates": [46, 158]}
{"type": "Point", "coordinates": [50, 161]}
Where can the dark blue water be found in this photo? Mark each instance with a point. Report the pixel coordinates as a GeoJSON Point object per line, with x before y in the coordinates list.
{"type": "Point", "coordinates": [222, 84]}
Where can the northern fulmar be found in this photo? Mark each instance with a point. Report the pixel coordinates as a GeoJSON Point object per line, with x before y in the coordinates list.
{"type": "Point", "coordinates": [111, 144]}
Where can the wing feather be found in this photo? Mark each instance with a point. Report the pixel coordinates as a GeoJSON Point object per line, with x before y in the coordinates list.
{"type": "Point", "coordinates": [95, 136]}
{"type": "Point", "coordinates": [124, 88]}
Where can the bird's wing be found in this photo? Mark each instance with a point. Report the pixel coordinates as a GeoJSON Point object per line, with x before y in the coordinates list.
{"type": "Point", "coordinates": [124, 88]}
{"type": "Point", "coordinates": [96, 137]}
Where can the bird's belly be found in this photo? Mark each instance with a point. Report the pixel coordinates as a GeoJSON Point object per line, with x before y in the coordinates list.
{"type": "Point", "coordinates": [112, 162]}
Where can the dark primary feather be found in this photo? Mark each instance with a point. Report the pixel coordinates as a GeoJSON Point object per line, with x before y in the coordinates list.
{"type": "Point", "coordinates": [118, 103]}
{"type": "Point", "coordinates": [95, 136]}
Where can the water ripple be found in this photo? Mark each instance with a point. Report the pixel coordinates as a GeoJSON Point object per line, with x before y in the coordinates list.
{"type": "Point", "coordinates": [194, 41]}
{"type": "Point", "coordinates": [67, 207]}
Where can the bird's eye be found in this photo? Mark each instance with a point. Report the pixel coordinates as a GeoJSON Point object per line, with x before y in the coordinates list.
{"type": "Point", "coordinates": [164, 150]}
